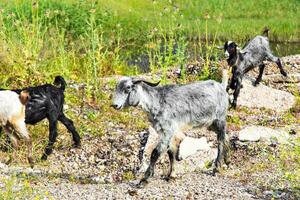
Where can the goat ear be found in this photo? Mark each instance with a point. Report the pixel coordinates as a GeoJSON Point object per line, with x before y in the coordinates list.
{"type": "Point", "coordinates": [241, 50]}
{"type": "Point", "coordinates": [24, 96]}
{"type": "Point", "coordinates": [220, 47]}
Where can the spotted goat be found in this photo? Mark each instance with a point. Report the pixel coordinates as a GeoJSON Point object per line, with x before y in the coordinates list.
{"type": "Point", "coordinates": [172, 109]}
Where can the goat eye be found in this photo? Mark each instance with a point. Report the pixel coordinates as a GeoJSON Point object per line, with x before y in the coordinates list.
{"type": "Point", "coordinates": [127, 89]}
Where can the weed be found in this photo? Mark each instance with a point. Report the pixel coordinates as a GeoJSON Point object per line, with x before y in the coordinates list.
{"type": "Point", "coordinates": [14, 188]}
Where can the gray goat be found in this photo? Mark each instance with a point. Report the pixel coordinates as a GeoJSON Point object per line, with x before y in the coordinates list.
{"type": "Point", "coordinates": [174, 108]}
{"type": "Point", "coordinates": [252, 55]}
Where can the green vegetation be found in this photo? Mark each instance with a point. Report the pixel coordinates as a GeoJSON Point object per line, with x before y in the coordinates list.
{"type": "Point", "coordinates": [85, 40]}
{"type": "Point", "coordinates": [20, 188]}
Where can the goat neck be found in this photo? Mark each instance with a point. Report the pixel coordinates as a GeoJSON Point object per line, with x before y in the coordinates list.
{"type": "Point", "coordinates": [232, 59]}
{"type": "Point", "coordinates": [149, 98]}
{"type": "Point", "coordinates": [235, 59]}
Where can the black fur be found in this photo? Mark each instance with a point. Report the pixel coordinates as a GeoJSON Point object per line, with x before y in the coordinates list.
{"type": "Point", "coordinates": [47, 102]}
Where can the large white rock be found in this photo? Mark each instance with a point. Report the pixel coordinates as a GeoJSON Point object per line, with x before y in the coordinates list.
{"type": "Point", "coordinates": [261, 133]}
{"type": "Point", "coordinates": [263, 96]}
{"type": "Point", "coordinates": [189, 146]}
{"type": "Point", "coordinates": [195, 152]}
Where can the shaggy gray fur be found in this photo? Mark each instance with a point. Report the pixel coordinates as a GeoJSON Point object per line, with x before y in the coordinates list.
{"type": "Point", "coordinates": [253, 55]}
{"type": "Point", "coordinates": [173, 108]}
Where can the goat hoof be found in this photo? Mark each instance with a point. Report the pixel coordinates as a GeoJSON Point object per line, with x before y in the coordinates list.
{"type": "Point", "coordinates": [44, 157]}
{"type": "Point", "coordinates": [76, 145]}
{"type": "Point", "coordinates": [168, 178]}
{"type": "Point", "coordinates": [177, 157]}
{"type": "Point", "coordinates": [143, 182]}
{"type": "Point", "coordinates": [215, 171]}
{"type": "Point", "coordinates": [8, 162]}
{"type": "Point", "coordinates": [31, 162]}
{"type": "Point", "coordinates": [284, 73]}
{"type": "Point", "coordinates": [233, 106]}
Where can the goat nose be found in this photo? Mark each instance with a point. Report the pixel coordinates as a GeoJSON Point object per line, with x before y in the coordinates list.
{"type": "Point", "coordinates": [115, 106]}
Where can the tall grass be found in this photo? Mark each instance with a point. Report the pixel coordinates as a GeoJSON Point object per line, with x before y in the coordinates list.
{"type": "Point", "coordinates": [85, 40]}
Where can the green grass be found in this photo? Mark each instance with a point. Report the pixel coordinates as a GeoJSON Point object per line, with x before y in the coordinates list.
{"type": "Point", "coordinates": [84, 40]}
{"type": "Point", "coordinates": [19, 188]}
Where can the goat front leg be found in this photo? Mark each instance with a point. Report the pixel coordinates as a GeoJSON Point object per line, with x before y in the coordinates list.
{"type": "Point", "coordinates": [232, 82]}
{"type": "Point", "coordinates": [158, 150]}
{"type": "Point", "coordinates": [14, 141]}
{"type": "Point", "coordinates": [170, 174]}
{"type": "Point", "coordinates": [173, 153]}
{"type": "Point", "coordinates": [261, 71]}
{"type": "Point", "coordinates": [7, 143]}
{"type": "Point", "coordinates": [52, 137]}
{"type": "Point", "coordinates": [237, 90]}
{"type": "Point", "coordinates": [70, 126]}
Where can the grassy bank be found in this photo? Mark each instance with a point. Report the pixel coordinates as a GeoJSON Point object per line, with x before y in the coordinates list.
{"type": "Point", "coordinates": [84, 40]}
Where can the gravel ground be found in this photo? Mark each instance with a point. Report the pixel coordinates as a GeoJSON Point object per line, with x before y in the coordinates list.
{"type": "Point", "coordinates": [190, 186]}
{"type": "Point", "coordinates": [104, 167]}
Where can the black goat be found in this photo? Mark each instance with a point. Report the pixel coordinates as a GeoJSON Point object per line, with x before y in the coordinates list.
{"type": "Point", "coordinates": [47, 102]}
{"type": "Point", "coordinates": [252, 55]}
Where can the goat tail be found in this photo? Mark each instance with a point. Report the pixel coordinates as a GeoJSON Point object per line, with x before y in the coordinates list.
{"type": "Point", "coordinates": [266, 31]}
{"type": "Point", "coordinates": [60, 82]}
{"type": "Point", "coordinates": [225, 78]}
{"type": "Point", "coordinates": [24, 97]}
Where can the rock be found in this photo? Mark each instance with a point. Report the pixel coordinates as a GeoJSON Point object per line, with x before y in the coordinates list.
{"type": "Point", "coordinates": [190, 146]}
{"type": "Point", "coordinates": [260, 133]}
{"type": "Point", "coordinates": [262, 96]}
{"type": "Point", "coordinates": [2, 165]}
{"type": "Point", "coordinates": [278, 78]}
{"type": "Point", "coordinates": [197, 161]}
{"type": "Point", "coordinates": [195, 152]}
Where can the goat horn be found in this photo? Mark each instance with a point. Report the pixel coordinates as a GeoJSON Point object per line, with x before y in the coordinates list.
{"type": "Point", "coordinates": [152, 84]}
{"type": "Point", "coordinates": [148, 83]}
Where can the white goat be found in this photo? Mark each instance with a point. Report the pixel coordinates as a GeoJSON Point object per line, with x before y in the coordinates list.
{"type": "Point", "coordinates": [12, 118]}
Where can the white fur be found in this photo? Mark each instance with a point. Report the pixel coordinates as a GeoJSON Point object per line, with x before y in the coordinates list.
{"type": "Point", "coordinates": [12, 118]}
{"type": "Point", "coordinates": [226, 54]}
{"type": "Point", "coordinates": [10, 107]}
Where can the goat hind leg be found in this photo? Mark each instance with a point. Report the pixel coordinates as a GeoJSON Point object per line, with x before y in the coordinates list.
{"type": "Point", "coordinates": [261, 71]}
{"type": "Point", "coordinates": [70, 126]}
{"type": "Point", "coordinates": [278, 62]}
{"type": "Point", "coordinates": [223, 151]}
